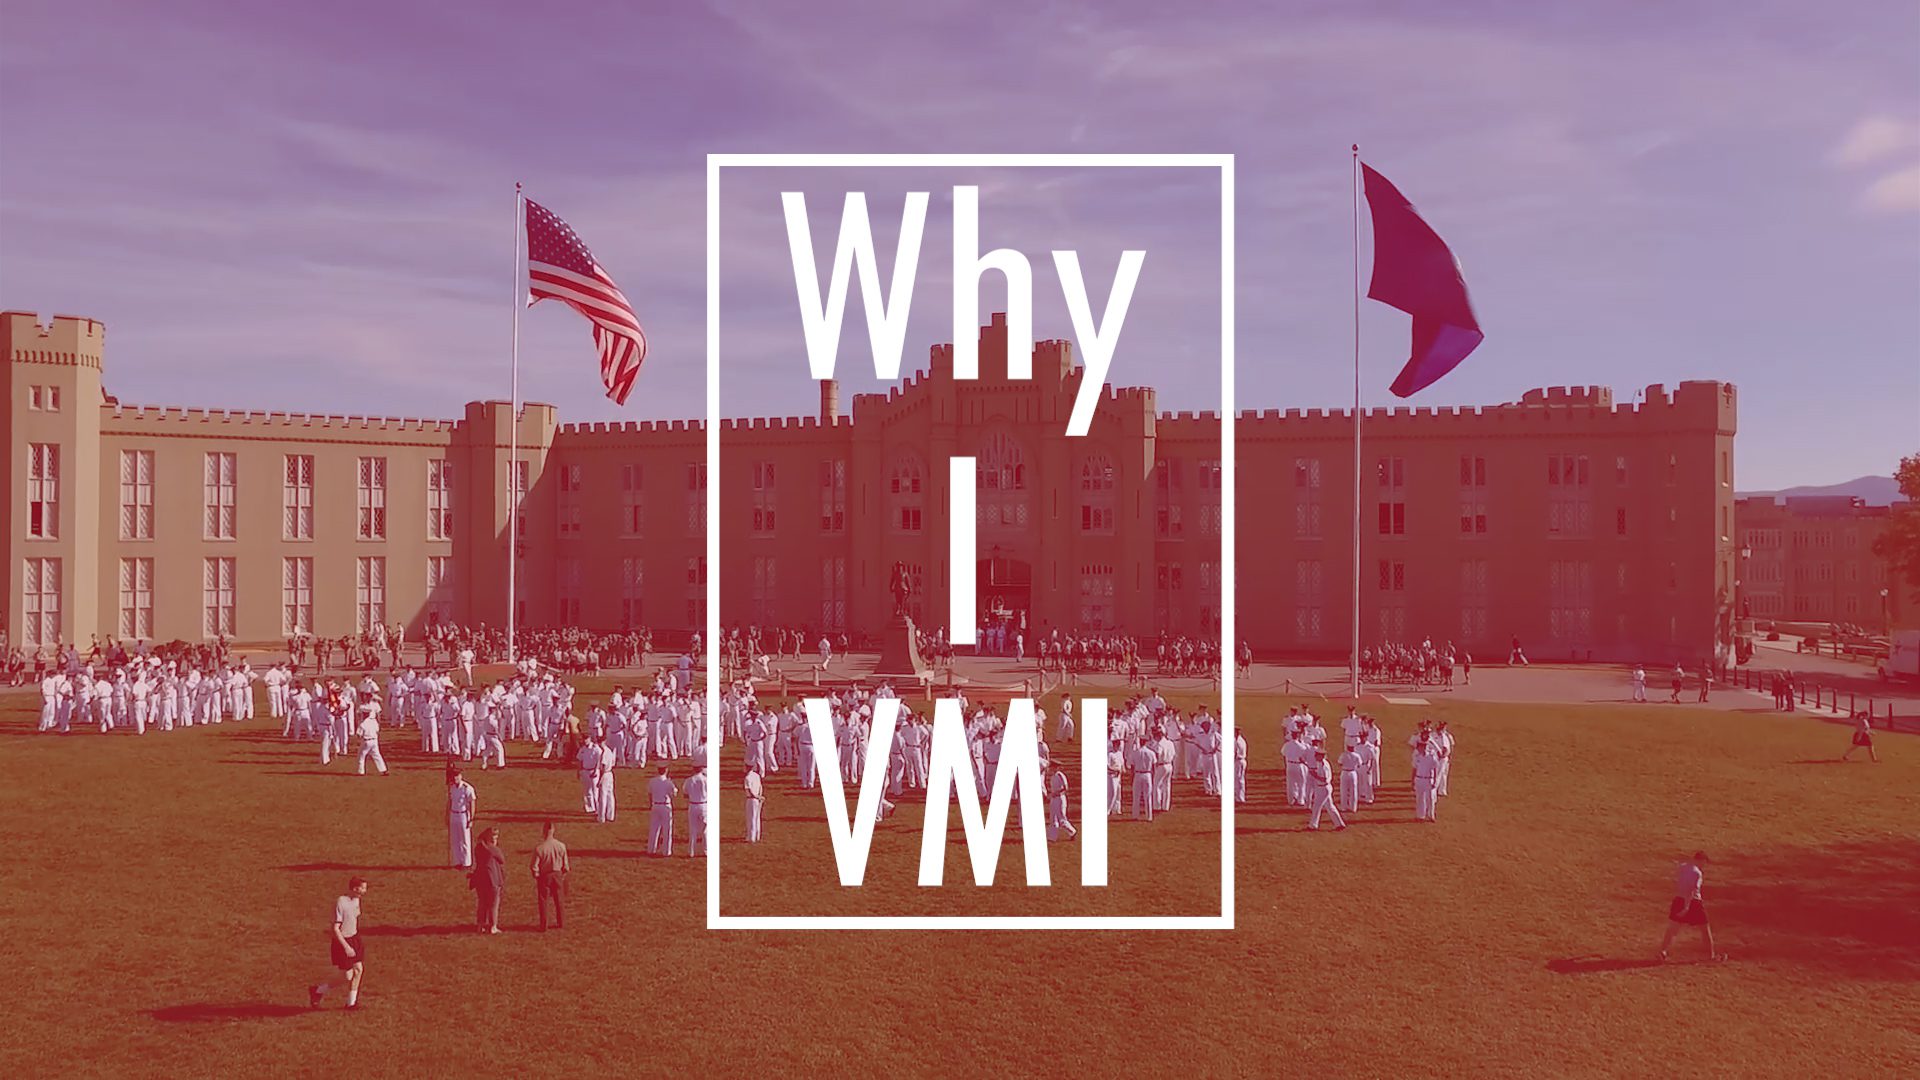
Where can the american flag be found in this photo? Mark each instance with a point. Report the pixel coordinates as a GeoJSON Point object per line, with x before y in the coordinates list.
{"type": "Point", "coordinates": [559, 267]}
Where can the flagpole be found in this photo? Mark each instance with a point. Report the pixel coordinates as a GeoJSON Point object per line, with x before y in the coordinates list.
{"type": "Point", "coordinates": [513, 433]}
{"type": "Point", "coordinates": [1355, 656]}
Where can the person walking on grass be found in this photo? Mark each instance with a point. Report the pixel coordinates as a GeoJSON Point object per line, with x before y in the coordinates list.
{"type": "Point", "coordinates": [1862, 736]}
{"type": "Point", "coordinates": [348, 955]}
{"type": "Point", "coordinates": [1687, 909]}
{"type": "Point", "coordinates": [489, 880]}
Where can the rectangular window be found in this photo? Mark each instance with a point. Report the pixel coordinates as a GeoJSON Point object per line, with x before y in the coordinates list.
{"type": "Point", "coordinates": [1168, 585]}
{"type": "Point", "coordinates": [216, 596]}
{"type": "Point", "coordinates": [439, 499]}
{"type": "Point", "coordinates": [440, 587]}
{"type": "Point", "coordinates": [33, 398]}
{"type": "Point", "coordinates": [1169, 522]}
{"type": "Point", "coordinates": [1390, 484]}
{"type": "Point", "coordinates": [369, 589]}
{"type": "Point", "coordinates": [40, 603]}
{"type": "Point", "coordinates": [1570, 601]}
{"type": "Point", "coordinates": [833, 593]}
{"type": "Point", "coordinates": [296, 595]}
{"type": "Point", "coordinates": [136, 494]}
{"type": "Point", "coordinates": [43, 491]}
{"type": "Point", "coordinates": [1310, 600]}
{"type": "Point", "coordinates": [697, 503]}
{"type": "Point", "coordinates": [53, 399]}
{"type": "Point", "coordinates": [763, 498]}
{"type": "Point", "coordinates": [136, 598]}
{"type": "Point", "coordinates": [1569, 496]}
{"type": "Point", "coordinates": [1473, 495]}
{"type": "Point", "coordinates": [570, 588]}
{"type": "Point", "coordinates": [1475, 595]}
{"type": "Point", "coordinates": [631, 580]}
{"type": "Point", "coordinates": [373, 498]}
{"type": "Point", "coordinates": [631, 517]}
{"type": "Point", "coordinates": [522, 473]}
{"type": "Point", "coordinates": [697, 589]}
{"type": "Point", "coordinates": [1620, 521]}
{"type": "Point", "coordinates": [1306, 498]}
{"type": "Point", "coordinates": [1393, 575]}
{"type": "Point", "coordinates": [1096, 596]}
{"type": "Point", "coordinates": [1210, 515]}
{"type": "Point", "coordinates": [765, 584]}
{"type": "Point", "coordinates": [572, 482]}
{"type": "Point", "coordinates": [833, 496]}
{"type": "Point", "coordinates": [222, 482]}
{"type": "Point", "coordinates": [296, 498]}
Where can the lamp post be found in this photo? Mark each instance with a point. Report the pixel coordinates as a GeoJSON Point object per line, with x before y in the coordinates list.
{"type": "Point", "coordinates": [1886, 613]}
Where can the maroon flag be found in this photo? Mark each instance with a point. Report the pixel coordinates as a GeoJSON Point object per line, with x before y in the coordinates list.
{"type": "Point", "coordinates": [559, 267]}
{"type": "Point", "coordinates": [1414, 271]}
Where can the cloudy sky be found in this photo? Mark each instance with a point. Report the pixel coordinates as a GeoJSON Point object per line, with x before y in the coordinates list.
{"type": "Point", "coordinates": [309, 207]}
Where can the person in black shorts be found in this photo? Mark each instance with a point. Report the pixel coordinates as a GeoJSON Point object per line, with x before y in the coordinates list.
{"type": "Point", "coordinates": [1687, 909]}
{"type": "Point", "coordinates": [348, 955]}
{"type": "Point", "coordinates": [1862, 736]}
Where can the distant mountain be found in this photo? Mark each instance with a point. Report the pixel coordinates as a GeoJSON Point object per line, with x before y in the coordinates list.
{"type": "Point", "coordinates": [1877, 490]}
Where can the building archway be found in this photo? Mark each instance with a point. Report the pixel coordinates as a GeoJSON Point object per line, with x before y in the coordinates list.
{"type": "Point", "coordinates": [1005, 588]}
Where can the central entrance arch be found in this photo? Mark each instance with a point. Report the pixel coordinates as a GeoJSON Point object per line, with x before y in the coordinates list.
{"type": "Point", "coordinates": [1005, 587]}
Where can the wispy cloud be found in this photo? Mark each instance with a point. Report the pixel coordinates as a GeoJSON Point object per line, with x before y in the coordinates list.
{"type": "Point", "coordinates": [1877, 138]}
{"type": "Point", "coordinates": [1896, 191]}
{"type": "Point", "coordinates": [284, 210]}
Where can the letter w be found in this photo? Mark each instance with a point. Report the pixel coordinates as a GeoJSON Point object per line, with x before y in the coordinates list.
{"type": "Point", "coordinates": [852, 841]}
{"type": "Point", "coordinates": [1019, 760]}
{"type": "Point", "coordinates": [886, 317]}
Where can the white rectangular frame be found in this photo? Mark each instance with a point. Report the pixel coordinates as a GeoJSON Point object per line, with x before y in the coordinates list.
{"type": "Point", "coordinates": [1222, 921]}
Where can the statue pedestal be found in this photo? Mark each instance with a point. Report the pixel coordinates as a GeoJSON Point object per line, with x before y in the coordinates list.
{"type": "Point", "coordinates": [900, 650]}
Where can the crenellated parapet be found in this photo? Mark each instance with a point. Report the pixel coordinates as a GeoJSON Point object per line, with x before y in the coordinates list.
{"type": "Point", "coordinates": [65, 341]}
{"type": "Point", "coordinates": [178, 419]}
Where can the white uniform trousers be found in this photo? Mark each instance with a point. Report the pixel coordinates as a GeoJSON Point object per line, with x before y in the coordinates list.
{"type": "Point", "coordinates": [1321, 799]}
{"type": "Point", "coordinates": [460, 840]}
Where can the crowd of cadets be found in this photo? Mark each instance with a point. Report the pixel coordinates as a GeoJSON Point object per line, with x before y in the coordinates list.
{"type": "Point", "coordinates": [21, 668]}
{"type": "Point", "coordinates": [1151, 744]}
{"type": "Point", "coordinates": [143, 692]}
{"type": "Point", "coordinates": [1420, 665]}
{"type": "Point", "coordinates": [567, 649]}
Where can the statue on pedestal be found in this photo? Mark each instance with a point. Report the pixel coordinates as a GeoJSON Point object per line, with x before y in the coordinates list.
{"type": "Point", "coordinates": [902, 586]}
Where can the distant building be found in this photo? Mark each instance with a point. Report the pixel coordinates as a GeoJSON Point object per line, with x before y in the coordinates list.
{"type": "Point", "coordinates": [1584, 528]}
{"type": "Point", "coordinates": [1810, 559]}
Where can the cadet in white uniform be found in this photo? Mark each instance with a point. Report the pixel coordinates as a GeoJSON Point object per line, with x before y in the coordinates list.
{"type": "Point", "coordinates": [1142, 762]}
{"type": "Point", "coordinates": [589, 761]}
{"type": "Point", "coordinates": [605, 764]}
{"type": "Point", "coordinates": [660, 792]}
{"type": "Point", "coordinates": [1426, 774]}
{"type": "Point", "coordinates": [756, 804]}
{"type": "Point", "coordinates": [697, 811]}
{"type": "Point", "coordinates": [1059, 824]}
{"type": "Point", "coordinates": [370, 736]}
{"type": "Point", "coordinates": [1320, 791]}
{"type": "Point", "coordinates": [1239, 766]}
{"type": "Point", "coordinates": [461, 803]}
{"type": "Point", "coordinates": [1350, 769]}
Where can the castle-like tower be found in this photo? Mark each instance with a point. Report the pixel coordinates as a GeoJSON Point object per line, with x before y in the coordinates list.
{"type": "Point", "coordinates": [1583, 527]}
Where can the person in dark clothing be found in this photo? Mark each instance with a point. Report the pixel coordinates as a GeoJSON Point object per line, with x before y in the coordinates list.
{"type": "Point", "coordinates": [489, 880]}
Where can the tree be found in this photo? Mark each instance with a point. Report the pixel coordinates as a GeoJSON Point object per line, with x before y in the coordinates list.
{"type": "Point", "coordinates": [1899, 545]}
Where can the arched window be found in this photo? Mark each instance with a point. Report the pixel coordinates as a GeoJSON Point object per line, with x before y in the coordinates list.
{"type": "Point", "coordinates": [1096, 494]}
{"type": "Point", "coordinates": [904, 483]}
{"type": "Point", "coordinates": [1000, 469]}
